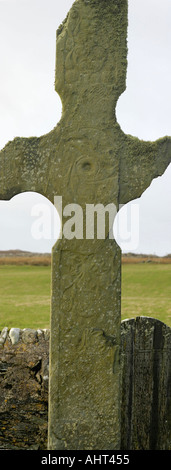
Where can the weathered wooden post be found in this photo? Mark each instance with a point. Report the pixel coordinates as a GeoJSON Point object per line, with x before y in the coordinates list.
{"type": "Point", "coordinates": [86, 159]}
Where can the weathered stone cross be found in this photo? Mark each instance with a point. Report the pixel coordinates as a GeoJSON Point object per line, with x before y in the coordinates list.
{"type": "Point", "coordinates": [86, 159]}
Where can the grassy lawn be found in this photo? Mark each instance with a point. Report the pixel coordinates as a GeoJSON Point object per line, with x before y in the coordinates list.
{"type": "Point", "coordinates": [25, 294]}
{"type": "Point", "coordinates": [146, 290]}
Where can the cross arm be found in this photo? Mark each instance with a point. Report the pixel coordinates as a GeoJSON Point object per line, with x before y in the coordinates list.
{"type": "Point", "coordinates": [19, 161]}
{"type": "Point", "coordinates": [141, 161]}
{"type": "Point", "coordinates": [27, 164]}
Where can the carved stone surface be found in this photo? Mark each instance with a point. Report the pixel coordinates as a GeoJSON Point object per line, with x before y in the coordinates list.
{"type": "Point", "coordinates": [85, 349]}
{"type": "Point", "coordinates": [146, 385]}
{"type": "Point", "coordinates": [87, 159]}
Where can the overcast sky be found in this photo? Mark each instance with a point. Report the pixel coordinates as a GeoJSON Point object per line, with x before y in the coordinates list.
{"type": "Point", "coordinates": [30, 106]}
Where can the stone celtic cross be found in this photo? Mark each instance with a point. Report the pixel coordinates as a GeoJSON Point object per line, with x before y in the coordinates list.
{"type": "Point", "coordinates": [86, 159]}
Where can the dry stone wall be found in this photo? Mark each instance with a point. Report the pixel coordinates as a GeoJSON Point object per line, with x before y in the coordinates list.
{"type": "Point", "coordinates": [146, 386]}
{"type": "Point", "coordinates": [24, 358]}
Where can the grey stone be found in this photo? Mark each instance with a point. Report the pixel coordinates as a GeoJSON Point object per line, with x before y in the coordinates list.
{"type": "Point", "coordinates": [29, 335]}
{"type": "Point", "coordinates": [46, 334]}
{"type": "Point", "coordinates": [3, 335]}
{"type": "Point", "coordinates": [14, 335]}
{"type": "Point", "coordinates": [40, 334]}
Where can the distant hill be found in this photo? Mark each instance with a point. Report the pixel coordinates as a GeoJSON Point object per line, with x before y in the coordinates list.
{"type": "Point", "coordinates": [21, 257]}
{"type": "Point", "coordinates": [14, 253]}
{"type": "Point", "coordinates": [24, 258]}
{"type": "Point", "coordinates": [132, 258]}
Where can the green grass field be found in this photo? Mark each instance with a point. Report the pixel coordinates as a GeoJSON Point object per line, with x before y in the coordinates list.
{"type": "Point", "coordinates": [146, 291]}
{"type": "Point", "coordinates": [25, 294]}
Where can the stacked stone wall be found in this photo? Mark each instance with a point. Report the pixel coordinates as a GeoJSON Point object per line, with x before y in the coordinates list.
{"type": "Point", "coordinates": [24, 371]}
